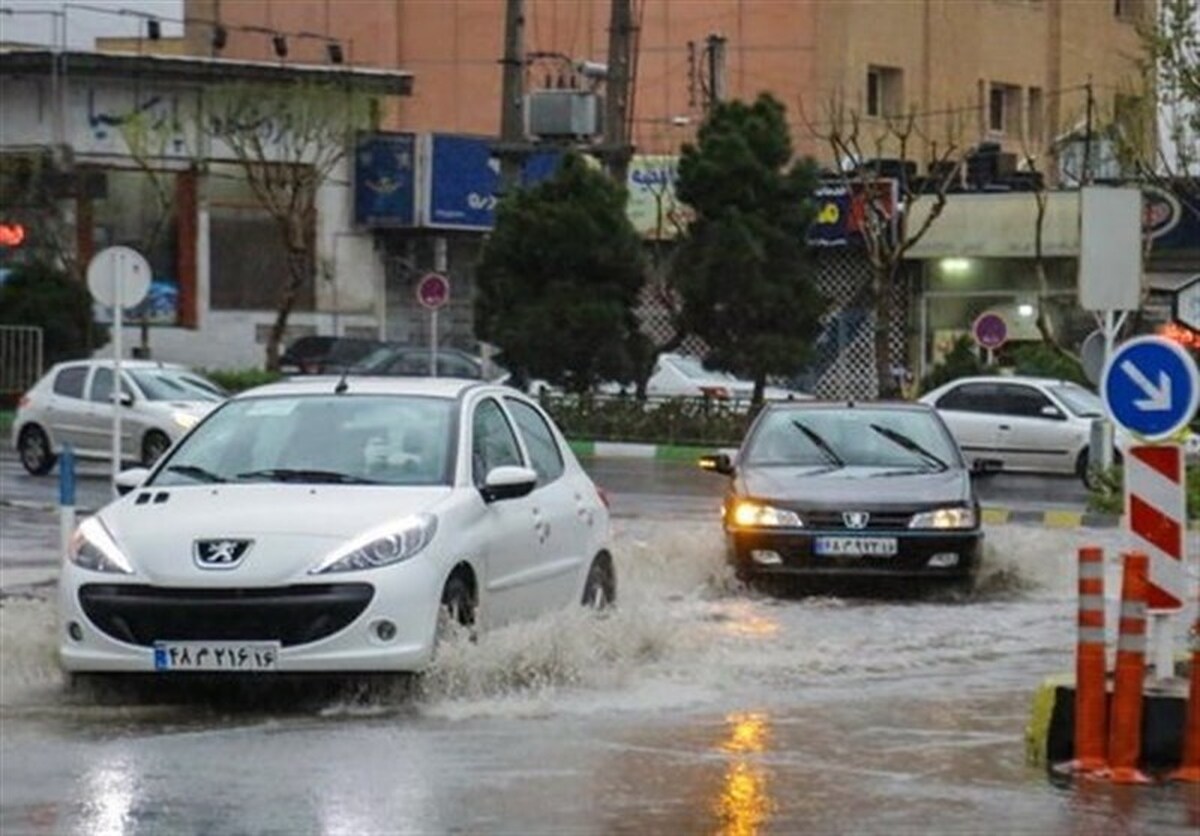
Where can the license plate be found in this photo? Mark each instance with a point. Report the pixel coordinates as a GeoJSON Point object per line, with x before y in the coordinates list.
{"type": "Point", "coordinates": [855, 546]}
{"type": "Point", "coordinates": [216, 656]}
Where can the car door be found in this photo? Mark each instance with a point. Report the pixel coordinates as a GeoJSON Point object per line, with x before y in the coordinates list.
{"type": "Point", "coordinates": [1034, 433]}
{"type": "Point", "coordinates": [968, 409]}
{"type": "Point", "coordinates": [513, 542]}
{"type": "Point", "coordinates": [65, 412]}
{"type": "Point", "coordinates": [560, 504]}
{"type": "Point", "coordinates": [98, 418]}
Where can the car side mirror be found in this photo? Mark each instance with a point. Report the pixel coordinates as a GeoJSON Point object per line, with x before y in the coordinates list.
{"type": "Point", "coordinates": [1052, 412]}
{"type": "Point", "coordinates": [508, 482]}
{"type": "Point", "coordinates": [717, 463]}
{"type": "Point", "coordinates": [129, 479]}
{"type": "Point", "coordinates": [126, 399]}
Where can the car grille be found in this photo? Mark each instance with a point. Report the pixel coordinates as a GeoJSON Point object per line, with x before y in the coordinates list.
{"type": "Point", "coordinates": [290, 615]}
{"type": "Point", "coordinates": [835, 521]}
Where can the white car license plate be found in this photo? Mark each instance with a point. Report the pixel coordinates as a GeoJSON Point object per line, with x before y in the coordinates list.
{"type": "Point", "coordinates": [216, 656]}
{"type": "Point", "coordinates": [855, 546]}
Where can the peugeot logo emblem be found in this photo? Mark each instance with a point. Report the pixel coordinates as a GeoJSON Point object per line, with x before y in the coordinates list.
{"type": "Point", "coordinates": [220, 554]}
{"type": "Point", "coordinates": [856, 519]}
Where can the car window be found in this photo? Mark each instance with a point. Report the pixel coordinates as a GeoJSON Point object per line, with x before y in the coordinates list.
{"type": "Point", "coordinates": [69, 382]}
{"type": "Point", "coordinates": [344, 439]}
{"type": "Point", "coordinates": [101, 390]}
{"type": "Point", "coordinates": [970, 397]}
{"type": "Point", "coordinates": [175, 385]}
{"type": "Point", "coordinates": [1082, 402]}
{"type": "Point", "coordinates": [493, 443]}
{"type": "Point", "coordinates": [544, 454]}
{"type": "Point", "coordinates": [1022, 401]}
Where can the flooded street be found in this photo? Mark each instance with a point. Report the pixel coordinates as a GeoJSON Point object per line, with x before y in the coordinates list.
{"type": "Point", "coordinates": [696, 707]}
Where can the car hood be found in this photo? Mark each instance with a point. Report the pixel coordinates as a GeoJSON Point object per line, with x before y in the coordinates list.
{"type": "Point", "coordinates": [292, 527]}
{"type": "Point", "coordinates": [874, 487]}
{"type": "Point", "coordinates": [197, 408]}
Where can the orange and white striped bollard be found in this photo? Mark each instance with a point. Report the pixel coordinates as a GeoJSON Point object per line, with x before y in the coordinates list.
{"type": "Point", "coordinates": [1091, 688]}
{"type": "Point", "coordinates": [1189, 764]}
{"type": "Point", "coordinates": [1125, 732]}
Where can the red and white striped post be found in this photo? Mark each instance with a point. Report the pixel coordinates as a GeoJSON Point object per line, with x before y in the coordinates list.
{"type": "Point", "coordinates": [1156, 514]}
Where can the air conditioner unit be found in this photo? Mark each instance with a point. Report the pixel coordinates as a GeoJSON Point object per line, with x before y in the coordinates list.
{"type": "Point", "coordinates": [564, 114]}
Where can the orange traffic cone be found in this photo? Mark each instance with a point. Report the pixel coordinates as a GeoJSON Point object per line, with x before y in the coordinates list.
{"type": "Point", "coordinates": [1125, 740]}
{"type": "Point", "coordinates": [1091, 690]}
{"type": "Point", "coordinates": [1189, 765]}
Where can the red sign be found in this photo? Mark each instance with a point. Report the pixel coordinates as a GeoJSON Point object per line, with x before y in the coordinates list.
{"type": "Point", "coordinates": [990, 331]}
{"type": "Point", "coordinates": [12, 235]}
{"type": "Point", "coordinates": [433, 290]}
{"type": "Point", "coordinates": [1156, 514]}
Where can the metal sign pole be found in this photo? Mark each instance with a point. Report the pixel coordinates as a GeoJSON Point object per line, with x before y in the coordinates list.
{"type": "Point", "coordinates": [433, 342]}
{"type": "Point", "coordinates": [118, 269]}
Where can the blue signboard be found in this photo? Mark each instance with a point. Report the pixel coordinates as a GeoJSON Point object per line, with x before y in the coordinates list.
{"type": "Point", "coordinates": [384, 180]}
{"type": "Point", "coordinates": [464, 178]}
{"type": "Point", "coordinates": [1151, 387]}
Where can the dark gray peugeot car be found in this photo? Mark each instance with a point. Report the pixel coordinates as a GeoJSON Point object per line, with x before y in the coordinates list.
{"type": "Point", "coordinates": [845, 490]}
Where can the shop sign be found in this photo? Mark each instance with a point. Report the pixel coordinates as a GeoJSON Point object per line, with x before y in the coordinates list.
{"type": "Point", "coordinates": [841, 212]}
{"type": "Point", "coordinates": [464, 178]}
{"type": "Point", "coordinates": [653, 208]}
{"type": "Point", "coordinates": [385, 180]}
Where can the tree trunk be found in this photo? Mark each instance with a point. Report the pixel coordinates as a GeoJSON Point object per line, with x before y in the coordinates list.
{"type": "Point", "coordinates": [298, 262]}
{"type": "Point", "coordinates": [760, 385]}
{"type": "Point", "coordinates": [887, 387]}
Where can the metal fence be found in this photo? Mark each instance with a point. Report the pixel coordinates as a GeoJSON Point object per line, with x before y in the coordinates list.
{"type": "Point", "coordinates": [20, 359]}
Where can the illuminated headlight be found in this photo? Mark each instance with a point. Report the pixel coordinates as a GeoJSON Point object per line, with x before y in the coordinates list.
{"type": "Point", "coordinates": [92, 547]}
{"type": "Point", "coordinates": [184, 420]}
{"type": "Point", "coordinates": [944, 518]}
{"type": "Point", "coordinates": [747, 514]}
{"type": "Point", "coordinates": [382, 548]}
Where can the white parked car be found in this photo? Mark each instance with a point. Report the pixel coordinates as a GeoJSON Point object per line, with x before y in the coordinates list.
{"type": "Point", "coordinates": [72, 404]}
{"type": "Point", "coordinates": [1022, 423]}
{"type": "Point", "coordinates": [682, 375]}
{"type": "Point", "coordinates": [325, 525]}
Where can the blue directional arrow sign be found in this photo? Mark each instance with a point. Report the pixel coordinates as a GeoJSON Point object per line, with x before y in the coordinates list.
{"type": "Point", "coordinates": [1151, 387]}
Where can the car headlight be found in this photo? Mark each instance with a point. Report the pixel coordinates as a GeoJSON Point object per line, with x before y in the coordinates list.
{"type": "Point", "coordinates": [184, 420]}
{"type": "Point", "coordinates": [92, 547]}
{"type": "Point", "coordinates": [957, 517]}
{"type": "Point", "coordinates": [382, 548]}
{"type": "Point", "coordinates": [749, 514]}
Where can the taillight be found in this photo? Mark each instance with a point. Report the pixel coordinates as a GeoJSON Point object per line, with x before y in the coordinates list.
{"type": "Point", "coordinates": [24, 402]}
{"type": "Point", "coordinates": [603, 494]}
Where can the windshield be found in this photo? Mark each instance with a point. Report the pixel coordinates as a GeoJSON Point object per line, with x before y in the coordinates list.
{"type": "Point", "coordinates": [851, 437]}
{"type": "Point", "coordinates": [175, 385]}
{"type": "Point", "coordinates": [313, 439]}
{"type": "Point", "coordinates": [1080, 401]}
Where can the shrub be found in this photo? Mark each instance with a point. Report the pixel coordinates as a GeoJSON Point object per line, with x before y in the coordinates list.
{"type": "Point", "coordinates": [960, 361]}
{"type": "Point", "coordinates": [676, 421]}
{"type": "Point", "coordinates": [1041, 360]}
{"type": "Point", "coordinates": [42, 295]}
{"type": "Point", "coordinates": [239, 380]}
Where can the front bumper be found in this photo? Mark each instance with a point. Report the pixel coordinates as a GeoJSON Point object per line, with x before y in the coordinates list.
{"type": "Point", "coordinates": [322, 626]}
{"type": "Point", "coordinates": [797, 555]}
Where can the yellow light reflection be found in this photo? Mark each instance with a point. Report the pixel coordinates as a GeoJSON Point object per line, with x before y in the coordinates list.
{"type": "Point", "coordinates": [745, 803]}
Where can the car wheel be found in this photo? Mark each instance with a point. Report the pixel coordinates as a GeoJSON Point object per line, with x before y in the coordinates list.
{"type": "Point", "coordinates": [34, 449]}
{"type": "Point", "coordinates": [457, 611]}
{"type": "Point", "coordinates": [600, 588]}
{"type": "Point", "coordinates": [154, 445]}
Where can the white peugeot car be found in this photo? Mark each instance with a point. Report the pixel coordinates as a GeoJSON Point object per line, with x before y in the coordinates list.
{"type": "Point", "coordinates": [320, 524]}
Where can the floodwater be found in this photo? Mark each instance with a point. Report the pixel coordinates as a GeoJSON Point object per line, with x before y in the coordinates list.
{"type": "Point", "coordinates": [695, 707]}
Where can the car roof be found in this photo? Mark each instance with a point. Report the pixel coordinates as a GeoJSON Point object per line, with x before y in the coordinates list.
{"type": "Point", "coordinates": [898, 406]}
{"type": "Point", "coordinates": [438, 387]}
{"type": "Point", "coordinates": [127, 365]}
{"type": "Point", "coordinates": [1011, 378]}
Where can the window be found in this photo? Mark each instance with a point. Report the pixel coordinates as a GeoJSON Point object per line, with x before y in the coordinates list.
{"type": "Point", "coordinates": [996, 109]}
{"type": "Point", "coordinates": [493, 443]}
{"type": "Point", "coordinates": [101, 391]}
{"type": "Point", "coordinates": [970, 397]}
{"type": "Point", "coordinates": [1023, 401]}
{"type": "Point", "coordinates": [544, 454]}
{"type": "Point", "coordinates": [885, 91]}
{"type": "Point", "coordinates": [1004, 109]}
{"type": "Point", "coordinates": [69, 382]}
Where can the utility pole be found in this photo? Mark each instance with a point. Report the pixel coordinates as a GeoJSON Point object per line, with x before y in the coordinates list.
{"type": "Point", "coordinates": [1086, 174]}
{"type": "Point", "coordinates": [513, 144]}
{"type": "Point", "coordinates": [617, 149]}
{"type": "Point", "coordinates": [716, 70]}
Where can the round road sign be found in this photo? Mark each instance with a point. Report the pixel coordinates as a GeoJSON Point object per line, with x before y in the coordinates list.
{"type": "Point", "coordinates": [118, 273]}
{"type": "Point", "coordinates": [433, 290]}
{"type": "Point", "coordinates": [1151, 387]}
{"type": "Point", "coordinates": [990, 330]}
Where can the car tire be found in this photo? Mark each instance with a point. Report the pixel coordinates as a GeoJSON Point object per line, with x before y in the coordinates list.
{"type": "Point", "coordinates": [33, 446]}
{"type": "Point", "coordinates": [600, 588]}
{"type": "Point", "coordinates": [457, 610]}
{"type": "Point", "coordinates": [154, 444]}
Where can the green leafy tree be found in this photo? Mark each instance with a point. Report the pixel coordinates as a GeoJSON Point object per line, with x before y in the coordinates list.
{"type": "Point", "coordinates": [38, 294]}
{"type": "Point", "coordinates": [559, 278]}
{"type": "Point", "coordinates": [742, 271]}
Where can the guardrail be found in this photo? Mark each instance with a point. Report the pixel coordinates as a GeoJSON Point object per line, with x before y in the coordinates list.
{"type": "Point", "coordinates": [21, 359]}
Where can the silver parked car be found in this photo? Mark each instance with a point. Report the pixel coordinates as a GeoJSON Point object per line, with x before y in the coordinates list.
{"type": "Point", "coordinates": [72, 404]}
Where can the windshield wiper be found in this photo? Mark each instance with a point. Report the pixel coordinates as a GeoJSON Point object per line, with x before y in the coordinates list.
{"type": "Point", "coordinates": [285, 474]}
{"type": "Point", "coordinates": [821, 444]}
{"type": "Point", "coordinates": [907, 443]}
{"type": "Point", "coordinates": [196, 472]}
